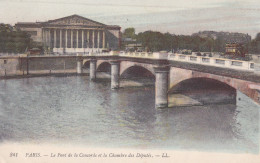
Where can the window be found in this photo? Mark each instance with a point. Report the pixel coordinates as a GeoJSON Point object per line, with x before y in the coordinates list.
{"type": "Point", "coordinates": [5, 61]}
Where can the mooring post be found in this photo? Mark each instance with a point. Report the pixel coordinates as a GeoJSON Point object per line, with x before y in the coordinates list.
{"type": "Point", "coordinates": [115, 67]}
{"type": "Point", "coordinates": [161, 86]}
{"type": "Point", "coordinates": [92, 73]}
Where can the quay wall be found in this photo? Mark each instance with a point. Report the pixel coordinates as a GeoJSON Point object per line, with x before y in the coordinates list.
{"type": "Point", "coordinates": [16, 66]}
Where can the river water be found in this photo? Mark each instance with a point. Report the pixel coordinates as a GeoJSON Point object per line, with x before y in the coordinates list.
{"type": "Point", "coordinates": [73, 110]}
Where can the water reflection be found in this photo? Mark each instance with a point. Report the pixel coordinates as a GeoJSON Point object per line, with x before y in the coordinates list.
{"type": "Point", "coordinates": [75, 110]}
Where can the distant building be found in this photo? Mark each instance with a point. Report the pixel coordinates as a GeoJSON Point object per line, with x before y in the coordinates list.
{"type": "Point", "coordinates": [73, 34]}
{"type": "Point", "coordinates": [131, 44]}
{"type": "Point", "coordinates": [134, 47]}
{"type": "Point", "coordinates": [228, 37]}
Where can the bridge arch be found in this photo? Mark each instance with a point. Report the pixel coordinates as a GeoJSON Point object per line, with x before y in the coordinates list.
{"type": "Point", "coordinates": [86, 64]}
{"type": "Point", "coordinates": [137, 71]}
{"type": "Point", "coordinates": [205, 83]}
{"type": "Point", "coordinates": [205, 90]}
{"type": "Point", "coordinates": [126, 66]}
{"type": "Point", "coordinates": [104, 66]}
{"type": "Point", "coordinates": [178, 75]}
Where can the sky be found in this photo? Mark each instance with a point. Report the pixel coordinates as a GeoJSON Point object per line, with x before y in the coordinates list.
{"type": "Point", "coordinates": [174, 16]}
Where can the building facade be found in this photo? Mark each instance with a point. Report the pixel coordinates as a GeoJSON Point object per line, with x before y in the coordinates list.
{"type": "Point", "coordinates": [73, 34]}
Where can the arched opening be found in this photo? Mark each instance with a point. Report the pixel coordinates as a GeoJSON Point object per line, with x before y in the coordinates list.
{"type": "Point", "coordinates": [104, 67]}
{"type": "Point", "coordinates": [137, 76]}
{"type": "Point", "coordinates": [137, 72]}
{"type": "Point", "coordinates": [86, 65]}
{"type": "Point", "coordinates": [104, 72]}
{"type": "Point", "coordinates": [200, 91]}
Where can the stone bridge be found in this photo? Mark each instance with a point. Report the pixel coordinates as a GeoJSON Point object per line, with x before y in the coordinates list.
{"type": "Point", "coordinates": [170, 74]}
{"type": "Point", "coordinates": [191, 75]}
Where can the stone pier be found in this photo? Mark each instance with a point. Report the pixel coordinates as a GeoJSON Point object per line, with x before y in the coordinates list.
{"type": "Point", "coordinates": [161, 86]}
{"type": "Point", "coordinates": [79, 65]}
{"type": "Point", "coordinates": [93, 66]}
{"type": "Point", "coordinates": [115, 69]}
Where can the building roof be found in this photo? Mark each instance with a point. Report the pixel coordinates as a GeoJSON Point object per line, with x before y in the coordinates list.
{"type": "Point", "coordinates": [72, 20]}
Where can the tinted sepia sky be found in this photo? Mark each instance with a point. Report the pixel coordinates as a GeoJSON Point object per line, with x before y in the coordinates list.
{"type": "Point", "coordinates": [174, 16]}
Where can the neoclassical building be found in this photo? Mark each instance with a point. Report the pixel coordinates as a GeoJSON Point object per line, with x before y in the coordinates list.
{"type": "Point", "coordinates": [73, 34]}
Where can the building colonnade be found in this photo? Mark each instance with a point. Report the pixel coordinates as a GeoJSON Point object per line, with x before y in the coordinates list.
{"type": "Point", "coordinates": [74, 38]}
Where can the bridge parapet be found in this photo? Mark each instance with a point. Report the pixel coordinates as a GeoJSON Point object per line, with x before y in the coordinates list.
{"type": "Point", "coordinates": [111, 53]}
{"type": "Point", "coordinates": [148, 55]}
{"type": "Point", "coordinates": [257, 66]}
{"type": "Point", "coordinates": [212, 61]}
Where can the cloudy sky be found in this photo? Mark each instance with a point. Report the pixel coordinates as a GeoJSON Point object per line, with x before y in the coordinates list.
{"type": "Point", "coordinates": [174, 16]}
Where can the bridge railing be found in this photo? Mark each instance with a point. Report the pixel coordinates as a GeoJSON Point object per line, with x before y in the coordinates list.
{"type": "Point", "coordinates": [148, 55]}
{"type": "Point", "coordinates": [111, 53]}
{"type": "Point", "coordinates": [211, 61]}
{"type": "Point", "coordinates": [203, 60]}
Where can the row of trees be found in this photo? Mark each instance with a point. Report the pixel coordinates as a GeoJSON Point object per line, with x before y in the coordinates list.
{"type": "Point", "coordinates": [157, 41]}
{"type": "Point", "coordinates": [254, 45]}
{"type": "Point", "coordinates": [13, 40]}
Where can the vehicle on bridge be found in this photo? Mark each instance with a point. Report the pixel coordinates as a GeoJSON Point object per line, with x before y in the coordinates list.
{"type": "Point", "coordinates": [236, 51]}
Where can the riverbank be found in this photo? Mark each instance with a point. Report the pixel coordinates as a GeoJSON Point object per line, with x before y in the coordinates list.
{"type": "Point", "coordinates": [43, 73]}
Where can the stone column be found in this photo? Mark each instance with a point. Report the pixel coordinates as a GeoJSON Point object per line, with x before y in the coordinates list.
{"type": "Point", "coordinates": [161, 86]}
{"type": "Point", "coordinates": [92, 73]}
{"type": "Point", "coordinates": [79, 65]}
{"type": "Point", "coordinates": [115, 67]}
{"type": "Point", "coordinates": [46, 37]}
{"type": "Point", "coordinates": [93, 39]}
{"type": "Point", "coordinates": [43, 37]}
{"type": "Point", "coordinates": [49, 32]}
{"type": "Point", "coordinates": [104, 40]}
{"type": "Point", "coordinates": [60, 38]}
{"type": "Point", "coordinates": [55, 38]}
{"type": "Point", "coordinates": [88, 40]}
{"type": "Point", "coordinates": [71, 39]}
{"type": "Point", "coordinates": [66, 38]}
{"type": "Point", "coordinates": [82, 38]}
{"type": "Point", "coordinates": [77, 39]}
{"type": "Point", "coordinates": [98, 39]}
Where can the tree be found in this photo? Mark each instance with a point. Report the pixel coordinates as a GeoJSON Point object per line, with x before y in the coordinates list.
{"type": "Point", "coordinates": [257, 38]}
{"type": "Point", "coordinates": [129, 33]}
{"type": "Point", "coordinates": [13, 40]}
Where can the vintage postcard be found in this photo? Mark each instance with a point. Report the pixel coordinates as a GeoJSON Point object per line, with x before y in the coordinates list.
{"type": "Point", "coordinates": [129, 81]}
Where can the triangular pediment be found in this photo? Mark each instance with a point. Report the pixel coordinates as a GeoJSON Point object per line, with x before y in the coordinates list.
{"type": "Point", "coordinates": [74, 20]}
